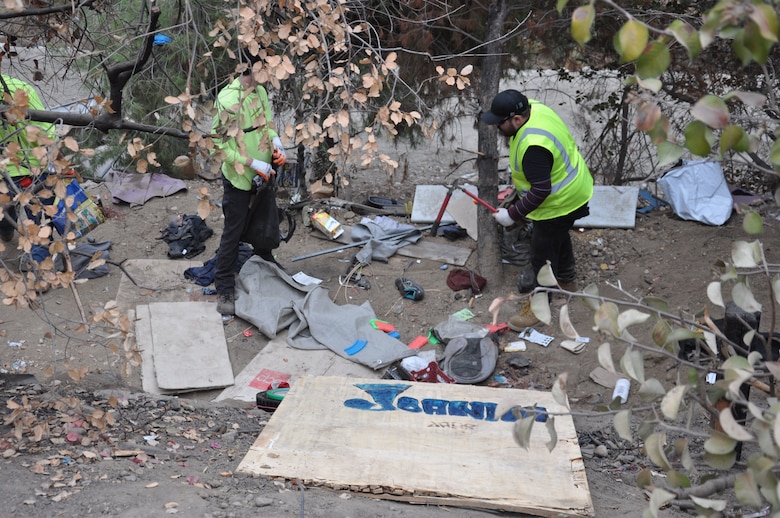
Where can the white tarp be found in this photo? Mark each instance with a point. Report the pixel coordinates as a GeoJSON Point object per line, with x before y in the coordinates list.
{"type": "Point", "coordinates": [698, 191]}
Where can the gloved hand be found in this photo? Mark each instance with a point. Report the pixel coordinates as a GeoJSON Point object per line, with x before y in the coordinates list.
{"type": "Point", "coordinates": [503, 218]}
{"type": "Point", "coordinates": [263, 169]}
{"type": "Point", "coordinates": [279, 156]}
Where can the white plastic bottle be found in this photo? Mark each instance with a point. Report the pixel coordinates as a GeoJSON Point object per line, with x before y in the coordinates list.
{"type": "Point", "coordinates": [621, 390]}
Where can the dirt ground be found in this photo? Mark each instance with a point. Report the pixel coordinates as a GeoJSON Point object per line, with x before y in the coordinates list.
{"type": "Point", "coordinates": [181, 453]}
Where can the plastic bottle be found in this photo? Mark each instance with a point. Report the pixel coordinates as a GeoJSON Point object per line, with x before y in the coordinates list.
{"type": "Point", "coordinates": [621, 390]}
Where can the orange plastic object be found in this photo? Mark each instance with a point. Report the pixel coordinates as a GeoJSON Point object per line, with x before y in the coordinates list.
{"type": "Point", "coordinates": [418, 342]}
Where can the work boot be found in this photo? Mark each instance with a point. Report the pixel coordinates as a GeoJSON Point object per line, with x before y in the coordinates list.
{"type": "Point", "coordinates": [226, 303]}
{"type": "Point", "coordinates": [559, 299]}
{"type": "Point", "coordinates": [523, 318]}
{"type": "Point", "coordinates": [569, 286]}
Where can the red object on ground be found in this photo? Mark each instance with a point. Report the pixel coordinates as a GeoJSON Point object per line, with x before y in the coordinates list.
{"type": "Point", "coordinates": [431, 374]}
{"type": "Point", "coordinates": [497, 328]}
{"type": "Point", "coordinates": [418, 342]}
{"type": "Point", "coordinates": [247, 333]}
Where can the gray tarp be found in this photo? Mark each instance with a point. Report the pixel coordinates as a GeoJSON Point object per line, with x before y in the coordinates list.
{"type": "Point", "coordinates": [380, 247]}
{"type": "Point", "coordinates": [270, 299]}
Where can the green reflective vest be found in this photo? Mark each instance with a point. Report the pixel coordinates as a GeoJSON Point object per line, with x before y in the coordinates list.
{"type": "Point", "coordinates": [243, 128]}
{"type": "Point", "coordinates": [22, 160]}
{"type": "Point", "coordinates": [572, 183]}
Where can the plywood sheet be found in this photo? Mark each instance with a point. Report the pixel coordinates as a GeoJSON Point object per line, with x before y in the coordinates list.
{"type": "Point", "coordinates": [278, 361]}
{"type": "Point", "coordinates": [611, 207]}
{"type": "Point", "coordinates": [428, 200]}
{"type": "Point", "coordinates": [423, 442]}
{"type": "Point", "coordinates": [190, 351]}
{"type": "Point", "coordinates": [159, 280]}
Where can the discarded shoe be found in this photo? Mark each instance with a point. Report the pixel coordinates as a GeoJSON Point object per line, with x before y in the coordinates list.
{"type": "Point", "coordinates": [409, 289]}
{"type": "Point", "coordinates": [523, 318]}
{"type": "Point", "coordinates": [226, 303]}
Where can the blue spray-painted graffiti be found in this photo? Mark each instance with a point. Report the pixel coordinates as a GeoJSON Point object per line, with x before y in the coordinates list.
{"type": "Point", "coordinates": [385, 398]}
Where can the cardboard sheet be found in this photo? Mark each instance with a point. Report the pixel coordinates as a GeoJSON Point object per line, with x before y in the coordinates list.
{"type": "Point", "coordinates": [611, 207]}
{"type": "Point", "coordinates": [425, 443]}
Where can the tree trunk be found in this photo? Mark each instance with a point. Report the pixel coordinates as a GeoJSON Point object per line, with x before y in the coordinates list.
{"type": "Point", "coordinates": [489, 250]}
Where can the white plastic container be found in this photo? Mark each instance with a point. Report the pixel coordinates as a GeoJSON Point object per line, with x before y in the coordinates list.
{"type": "Point", "coordinates": [621, 390]}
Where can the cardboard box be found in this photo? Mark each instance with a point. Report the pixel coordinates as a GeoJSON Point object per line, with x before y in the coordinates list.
{"type": "Point", "coordinates": [326, 224]}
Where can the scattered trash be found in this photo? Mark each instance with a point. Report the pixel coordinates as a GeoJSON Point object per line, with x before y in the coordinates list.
{"type": "Point", "coordinates": [209, 291]}
{"type": "Point", "coordinates": [247, 333]}
{"type": "Point", "coordinates": [356, 347]}
{"type": "Point", "coordinates": [514, 347]}
{"type": "Point", "coordinates": [534, 336]}
{"type": "Point", "coordinates": [498, 378]}
{"type": "Point", "coordinates": [711, 378]}
{"type": "Point", "coordinates": [306, 280]}
{"type": "Point", "coordinates": [418, 342]}
{"type": "Point", "coordinates": [464, 314]}
{"type": "Point", "coordinates": [621, 390]}
{"type": "Point", "coordinates": [19, 366]}
{"type": "Point", "coordinates": [327, 225]}
{"type": "Point", "coordinates": [16, 344]}
{"type": "Point", "coordinates": [431, 374]}
{"type": "Point", "coordinates": [409, 289]}
{"type": "Point", "coordinates": [444, 267]}
{"type": "Point", "coordinates": [573, 346]}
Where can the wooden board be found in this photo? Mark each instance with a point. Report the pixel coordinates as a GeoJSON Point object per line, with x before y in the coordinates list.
{"type": "Point", "coordinates": [612, 206]}
{"type": "Point", "coordinates": [420, 444]}
{"type": "Point", "coordinates": [289, 364]}
{"type": "Point", "coordinates": [190, 351]}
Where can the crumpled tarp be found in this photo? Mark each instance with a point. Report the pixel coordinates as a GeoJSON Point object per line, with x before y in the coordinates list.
{"type": "Point", "coordinates": [137, 189]}
{"type": "Point", "coordinates": [698, 191]}
{"type": "Point", "coordinates": [271, 300]}
{"type": "Point", "coordinates": [378, 231]}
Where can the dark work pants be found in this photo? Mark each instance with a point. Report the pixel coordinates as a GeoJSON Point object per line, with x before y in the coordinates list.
{"type": "Point", "coordinates": [235, 207]}
{"type": "Point", "coordinates": [551, 241]}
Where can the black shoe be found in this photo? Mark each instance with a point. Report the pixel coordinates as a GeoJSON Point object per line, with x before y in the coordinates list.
{"type": "Point", "coordinates": [409, 289]}
{"type": "Point", "coordinates": [226, 303]}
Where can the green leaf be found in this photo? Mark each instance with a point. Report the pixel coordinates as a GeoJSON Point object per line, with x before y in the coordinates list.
{"type": "Point", "coordinates": [753, 224]}
{"type": "Point", "coordinates": [661, 332]}
{"type": "Point", "coordinates": [677, 479]}
{"type": "Point", "coordinates": [765, 19]}
{"type": "Point", "coordinates": [622, 423]}
{"type": "Point", "coordinates": [765, 441]}
{"type": "Point", "coordinates": [706, 503]}
{"type": "Point", "coordinates": [654, 446]}
{"type": "Point", "coordinates": [654, 61]}
{"type": "Point", "coordinates": [644, 478]}
{"type": "Point", "coordinates": [719, 444]}
{"type": "Point", "coordinates": [723, 462]}
{"type": "Point", "coordinates": [743, 297]}
{"type": "Point", "coordinates": [670, 405]}
{"type": "Point", "coordinates": [669, 153]}
{"type": "Point", "coordinates": [732, 428]}
{"type": "Point", "coordinates": [686, 36]}
{"type": "Point", "coordinates": [651, 390]}
{"type": "Point", "coordinates": [581, 23]}
{"type": "Point", "coordinates": [550, 424]}
{"type": "Point", "coordinates": [656, 303]}
{"type": "Point", "coordinates": [660, 131]}
{"type": "Point", "coordinates": [592, 290]}
{"type": "Point", "coordinates": [521, 431]}
{"type": "Point", "coordinates": [697, 138]}
{"type": "Point", "coordinates": [683, 453]}
{"type": "Point", "coordinates": [746, 490]}
{"type": "Point", "coordinates": [681, 333]}
{"type": "Point", "coordinates": [540, 305]}
{"type": "Point", "coordinates": [712, 111]}
{"type": "Point", "coordinates": [560, 5]}
{"type": "Point", "coordinates": [546, 277]}
{"type": "Point", "coordinates": [630, 317]}
{"type": "Point", "coordinates": [746, 255]}
{"type": "Point", "coordinates": [633, 364]}
{"type": "Point", "coordinates": [756, 43]}
{"type": "Point", "coordinates": [632, 39]}
{"type": "Point", "coordinates": [714, 294]}
{"type": "Point", "coordinates": [733, 137]}
{"type": "Point", "coordinates": [606, 318]}
{"type": "Point", "coordinates": [751, 99]}
{"type": "Point", "coordinates": [605, 357]}
{"type": "Point", "coordinates": [658, 499]}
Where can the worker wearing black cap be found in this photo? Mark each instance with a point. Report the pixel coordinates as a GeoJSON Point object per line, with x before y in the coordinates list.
{"type": "Point", "coordinates": [553, 184]}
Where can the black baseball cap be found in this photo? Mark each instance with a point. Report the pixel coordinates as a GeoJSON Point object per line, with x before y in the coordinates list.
{"type": "Point", "coordinates": [505, 105]}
